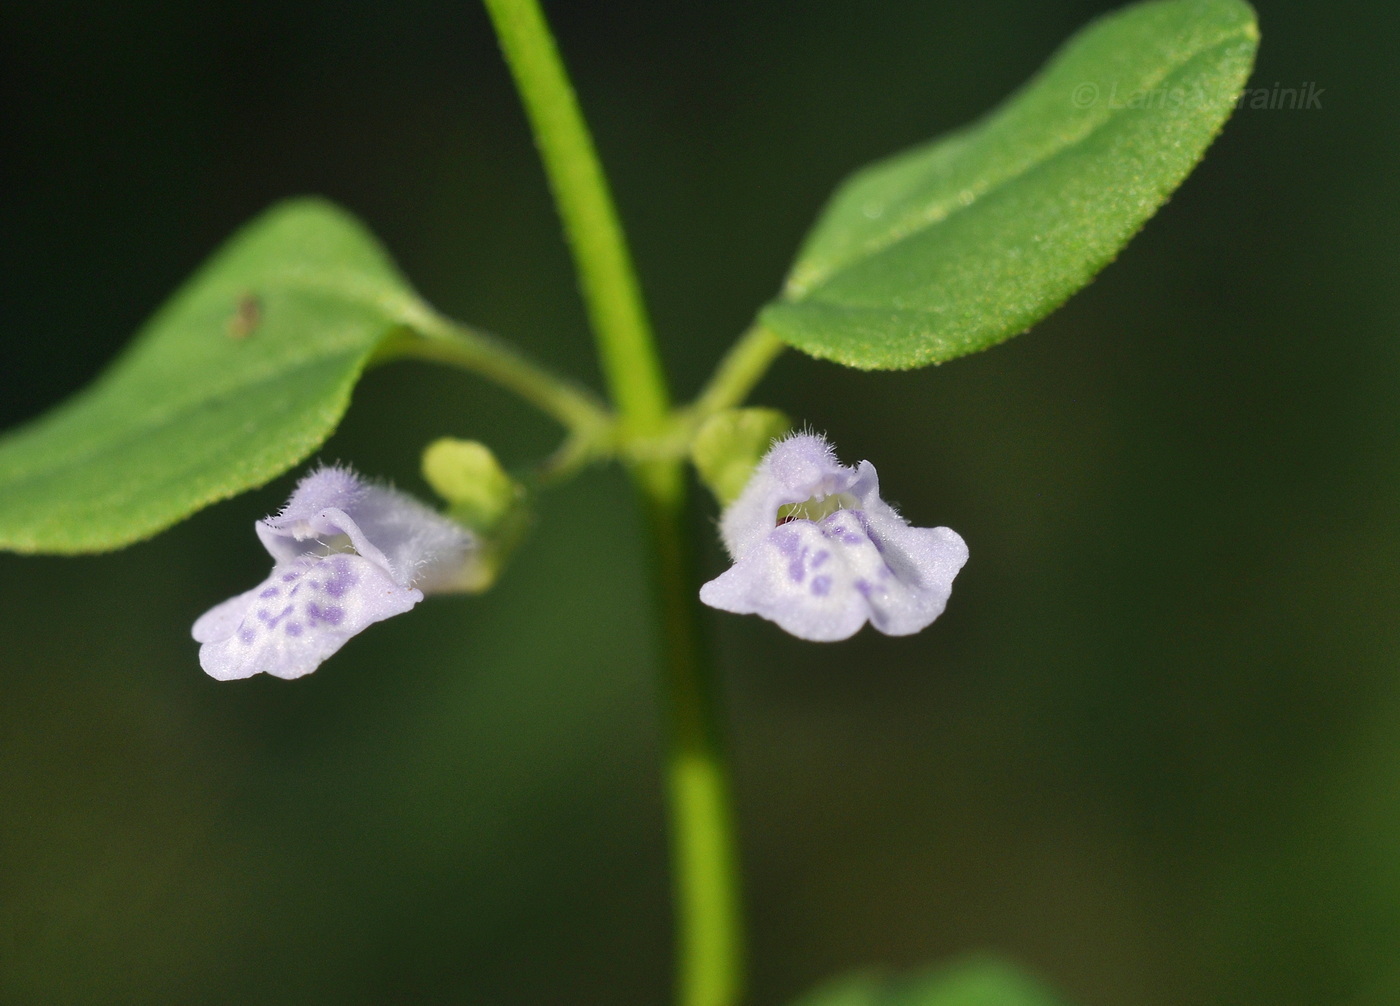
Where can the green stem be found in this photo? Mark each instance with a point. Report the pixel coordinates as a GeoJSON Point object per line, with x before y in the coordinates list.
{"type": "Point", "coordinates": [742, 368]}
{"type": "Point", "coordinates": [607, 279]}
{"type": "Point", "coordinates": [705, 874]}
{"type": "Point", "coordinates": [709, 942]}
{"type": "Point", "coordinates": [439, 340]}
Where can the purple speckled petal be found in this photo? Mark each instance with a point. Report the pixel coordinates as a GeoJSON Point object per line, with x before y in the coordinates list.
{"type": "Point", "coordinates": [777, 579]}
{"type": "Point", "coordinates": [823, 578]}
{"type": "Point", "coordinates": [222, 620]}
{"type": "Point", "coordinates": [319, 603]}
{"type": "Point", "coordinates": [348, 553]}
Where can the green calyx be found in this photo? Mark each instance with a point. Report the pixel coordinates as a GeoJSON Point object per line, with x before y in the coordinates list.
{"type": "Point", "coordinates": [729, 444]}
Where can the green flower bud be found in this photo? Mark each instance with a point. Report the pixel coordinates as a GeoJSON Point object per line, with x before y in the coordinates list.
{"type": "Point", "coordinates": [467, 475]}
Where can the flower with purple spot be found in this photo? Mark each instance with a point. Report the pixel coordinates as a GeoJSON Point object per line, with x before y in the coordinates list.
{"type": "Point", "coordinates": [347, 553]}
{"type": "Point", "coordinates": [818, 552]}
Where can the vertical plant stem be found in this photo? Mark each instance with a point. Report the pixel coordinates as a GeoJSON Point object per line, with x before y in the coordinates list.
{"type": "Point", "coordinates": [709, 950]}
{"type": "Point", "coordinates": [607, 279]}
{"type": "Point", "coordinates": [704, 859]}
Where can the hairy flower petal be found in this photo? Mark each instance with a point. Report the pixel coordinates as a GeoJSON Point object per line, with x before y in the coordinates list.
{"type": "Point", "coordinates": [819, 553]}
{"type": "Point", "coordinates": [347, 553]}
{"type": "Point", "coordinates": [412, 542]}
{"type": "Point", "coordinates": [296, 618]}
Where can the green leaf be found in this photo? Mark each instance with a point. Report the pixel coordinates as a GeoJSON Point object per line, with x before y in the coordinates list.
{"type": "Point", "coordinates": [979, 981]}
{"type": "Point", "coordinates": [241, 374]}
{"type": "Point", "coordinates": [956, 245]}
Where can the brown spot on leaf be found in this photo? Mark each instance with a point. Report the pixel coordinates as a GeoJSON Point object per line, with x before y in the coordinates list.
{"type": "Point", "coordinates": [246, 316]}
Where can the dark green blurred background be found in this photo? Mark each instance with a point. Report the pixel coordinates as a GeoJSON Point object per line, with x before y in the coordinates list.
{"type": "Point", "coordinates": [1152, 750]}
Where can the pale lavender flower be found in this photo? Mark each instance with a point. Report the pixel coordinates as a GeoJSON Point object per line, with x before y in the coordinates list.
{"type": "Point", "coordinates": [347, 554]}
{"type": "Point", "coordinates": [818, 552]}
